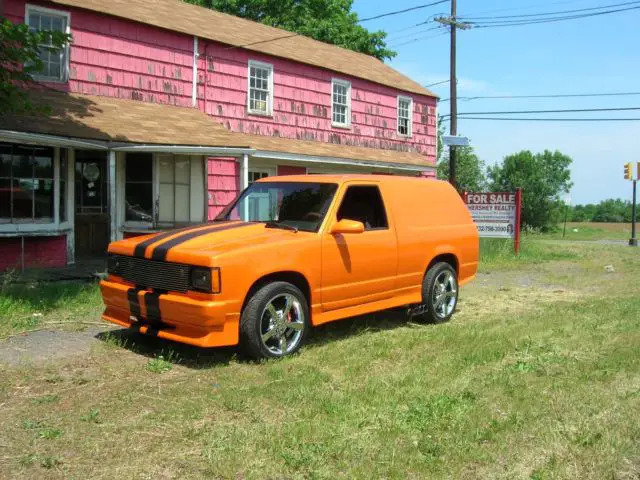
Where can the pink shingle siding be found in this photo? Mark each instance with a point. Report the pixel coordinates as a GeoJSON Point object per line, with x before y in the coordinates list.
{"type": "Point", "coordinates": [222, 183]}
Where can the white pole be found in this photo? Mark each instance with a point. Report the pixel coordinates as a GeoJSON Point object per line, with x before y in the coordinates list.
{"type": "Point", "coordinates": [113, 224]}
{"type": "Point", "coordinates": [194, 81]}
{"type": "Point", "coordinates": [244, 183]}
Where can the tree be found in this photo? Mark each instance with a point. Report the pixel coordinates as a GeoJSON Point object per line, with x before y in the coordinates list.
{"type": "Point", "coordinates": [543, 178]}
{"type": "Point", "coordinates": [329, 21]}
{"type": "Point", "coordinates": [20, 60]}
{"type": "Point", "coordinates": [469, 170]}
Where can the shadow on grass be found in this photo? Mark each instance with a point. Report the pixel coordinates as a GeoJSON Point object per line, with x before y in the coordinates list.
{"type": "Point", "coordinates": [203, 358]}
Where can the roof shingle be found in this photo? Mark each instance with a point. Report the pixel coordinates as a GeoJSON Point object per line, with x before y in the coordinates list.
{"type": "Point", "coordinates": [117, 120]}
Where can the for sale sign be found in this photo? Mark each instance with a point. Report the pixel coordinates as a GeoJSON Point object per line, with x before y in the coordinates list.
{"type": "Point", "coordinates": [496, 214]}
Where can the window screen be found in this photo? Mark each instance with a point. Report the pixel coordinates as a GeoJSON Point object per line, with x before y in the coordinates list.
{"type": "Point", "coordinates": [260, 86]}
{"type": "Point", "coordinates": [341, 103]}
{"type": "Point", "coordinates": [54, 61]}
{"type": "Point", "coordinates": [404, 116]}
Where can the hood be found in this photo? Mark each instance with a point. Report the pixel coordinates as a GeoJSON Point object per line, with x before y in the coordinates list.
{"type": "Point", "coordinates": [198, 245]}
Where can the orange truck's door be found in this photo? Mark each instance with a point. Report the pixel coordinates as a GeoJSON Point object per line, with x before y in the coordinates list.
{"type": "Point", "coordinates": [359, 267]}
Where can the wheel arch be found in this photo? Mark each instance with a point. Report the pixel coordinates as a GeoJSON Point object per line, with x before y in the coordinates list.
{"type": "Point", "coordinates": [449, 258]}
{"type": "Point", "coordinates": [290, 276]}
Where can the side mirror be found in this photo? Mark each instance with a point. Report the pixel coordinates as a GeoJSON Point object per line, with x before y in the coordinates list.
{"type": "Point", "coordinates": [347, 226]}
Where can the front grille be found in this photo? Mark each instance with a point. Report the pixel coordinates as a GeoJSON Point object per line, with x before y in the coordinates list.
{"type": "Point", "coordinates": [151, 273]}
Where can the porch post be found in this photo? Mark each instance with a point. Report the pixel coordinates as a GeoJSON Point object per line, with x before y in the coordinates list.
{"type": "Point", "coordinates": [113, 211]}
{"type": "Point", "coordinates": [244, 171]}
{"type": "Point", "coordinates": [244, 182]}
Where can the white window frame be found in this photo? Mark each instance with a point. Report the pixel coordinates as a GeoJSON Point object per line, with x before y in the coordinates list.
{"type": "Point", "coordinates": [269, 171]}
{"type": "Point", "coordinates": [64, 68]}
{"type": "Point", "coordinates": [266, 66]}
{"type": "Point", "coordinates": [409, 133]}
{"type": "Point", "coordinates": [344, 83]}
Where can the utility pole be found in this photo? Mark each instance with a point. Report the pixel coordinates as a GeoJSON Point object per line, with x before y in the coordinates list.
{"type": "Point", "coordinates": [453, 86]}
{"type": "Point", "coordinates": [633, 241]}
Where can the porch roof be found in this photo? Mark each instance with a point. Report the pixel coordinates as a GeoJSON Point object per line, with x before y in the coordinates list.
{"type": "Point", "coordinates": [118, 122]}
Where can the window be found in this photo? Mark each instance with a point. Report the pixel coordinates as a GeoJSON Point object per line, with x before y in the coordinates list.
{"type": "Point", "coordinates": [55, 61]}
{"type": "Point", "coordinates": [364, 204]}
{"type": "Point", "coordinates": [341, 103]}
{"type": "Point", "coordinates": [255, 175]}
{"type": "Point", "coordinates": [165, 191]}
{"type": "Point", "coordinates": [405, 110]}
{"type": "Point", "coordinates": [138, 187]}
{"type": "Point", "coordinates": [302, 205]}
{"type": "Point", "coordinates": [260, 98]}
{"type": "Point", "coordinates": [27, 192]}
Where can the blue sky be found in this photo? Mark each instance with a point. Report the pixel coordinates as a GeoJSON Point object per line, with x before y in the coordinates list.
{"type": "Point", "coordinates": [590, 55]}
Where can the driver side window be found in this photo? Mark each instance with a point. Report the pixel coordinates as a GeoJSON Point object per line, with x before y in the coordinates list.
{"type": "Point", "coordinates": [364, 204]}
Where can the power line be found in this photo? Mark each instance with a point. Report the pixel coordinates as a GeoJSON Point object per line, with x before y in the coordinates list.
{"type": "Point", "coordinates": [437, 83]}
{"type": "Point", "coordinates": [515, 23]}
{"type": "Point", "coordinates": [406, 35]}
{"type": "Point", "coordinates": [397, 12]}
{"type": "Point", "coordinates": [559, 95]}
{"type": "Point", "coordinates": [506, 119]}
{"type": "Point", "coordinates": [522, 16]}
{"type": "Point", "coordinates": [264, 41]}
{"type": "Point", "coordinates": [417, 39]}
{"type": "Point", "coordinates": [572, 110]}
{"type": "Point", "coordinates": [525, 7]}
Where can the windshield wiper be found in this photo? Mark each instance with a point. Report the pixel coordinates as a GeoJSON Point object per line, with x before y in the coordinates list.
{"type": "Point", "coordinates": [284, 226]}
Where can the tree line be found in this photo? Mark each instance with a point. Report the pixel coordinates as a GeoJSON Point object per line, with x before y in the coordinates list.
{"type": "Point", "coordinates": [607, 211]}
{"type": "Point", "coordinates": [543, 177]}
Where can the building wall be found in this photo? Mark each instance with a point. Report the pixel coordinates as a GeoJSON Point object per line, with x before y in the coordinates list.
{"type": "Point", "coordinates": [302, 103]}
{"type": "Point", "coordinates": [118, 58]}
{"type": "Point", "coordinates": [115, 57]}
{"type": "Point", "coordinates": [291, 170]}
{"type": "Point", "coordinates": [223, 182]}
{"type": "Point", "coordinates": [38, 252]}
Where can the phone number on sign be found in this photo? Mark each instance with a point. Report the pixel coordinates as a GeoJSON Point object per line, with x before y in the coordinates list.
{"type": "Point", "coordinates": [494, 228]}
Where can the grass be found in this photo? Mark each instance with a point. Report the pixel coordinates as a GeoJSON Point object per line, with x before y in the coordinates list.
{"type": "Point", "coordinates": [28, 306]}
{"type": "Point", "coordinates": [592, 231]}
{"type": "Point", "coordinates": [498, 253]}
{"type": "Point", "coordinates": [536, 377]}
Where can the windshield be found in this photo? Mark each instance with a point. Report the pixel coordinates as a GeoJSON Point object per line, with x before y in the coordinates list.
{"type": "Point", "coordinates": [302, 205]}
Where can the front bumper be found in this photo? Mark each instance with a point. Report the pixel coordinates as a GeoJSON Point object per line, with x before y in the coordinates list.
{"type": "Point", "coordinates": [195, 319]}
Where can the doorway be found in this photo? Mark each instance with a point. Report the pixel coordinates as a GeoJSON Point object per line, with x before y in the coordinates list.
{"type": "Point", "coordinates": [92, 203]}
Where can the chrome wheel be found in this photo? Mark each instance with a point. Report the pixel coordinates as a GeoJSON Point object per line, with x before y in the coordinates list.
{"type": "Point", "coordinates": [445, 294]}
{"type": "Point", "coordinates": [282, 324]}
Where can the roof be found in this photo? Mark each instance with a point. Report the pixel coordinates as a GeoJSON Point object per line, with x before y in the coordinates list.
{"type": "Point", "coordinates": [128, 121]}
{"type": "Point", "coordinates": [340, 178]}
{"type": "Point", "coordinates": [117, 120]}
{"type": "Point", "coordinates": [190, 19]}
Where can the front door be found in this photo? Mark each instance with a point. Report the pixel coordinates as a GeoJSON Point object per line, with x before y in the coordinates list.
{"type": "Point", "coordinates": [92, 203]}
{"type": "Point", "coordinates": [359, 267]}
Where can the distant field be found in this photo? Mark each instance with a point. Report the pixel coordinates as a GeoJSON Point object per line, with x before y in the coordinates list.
{"type": "Point", "coordinates": [593, 231]}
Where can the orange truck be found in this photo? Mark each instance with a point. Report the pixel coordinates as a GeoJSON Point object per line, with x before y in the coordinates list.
{"type": "Point", "coordinates": [294, 252]}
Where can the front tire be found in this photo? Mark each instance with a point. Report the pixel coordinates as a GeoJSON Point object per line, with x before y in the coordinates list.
{"type": "Point", "coordinates": [274, 322]}
{"type": "Point", "coordinates": [439, 293]}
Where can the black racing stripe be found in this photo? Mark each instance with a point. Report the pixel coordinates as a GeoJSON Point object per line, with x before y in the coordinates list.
{"type": "Point", "coordinates": [134, 303]}
{"type": "Point", "coordinates": [152, 302]}
{"type": "Point", "coordinates": [142, 246]}
{"type": "Point", "coordinates": [160, 252]}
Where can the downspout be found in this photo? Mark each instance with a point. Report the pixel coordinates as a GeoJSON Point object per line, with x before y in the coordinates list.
{"type": "Point", "coordinates": [194, 86]}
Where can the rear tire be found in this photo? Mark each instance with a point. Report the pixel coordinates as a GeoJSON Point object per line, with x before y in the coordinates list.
{"type": "Point", "coordinates": [274, 322]}
{"type": "Point", "coordinates": [439, 293]}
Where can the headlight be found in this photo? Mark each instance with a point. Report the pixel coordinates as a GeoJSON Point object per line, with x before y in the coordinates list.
{"type": "Point", "coordinates": [113, 264]}
{"type": "Point", "coordinates": [205, 279]}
